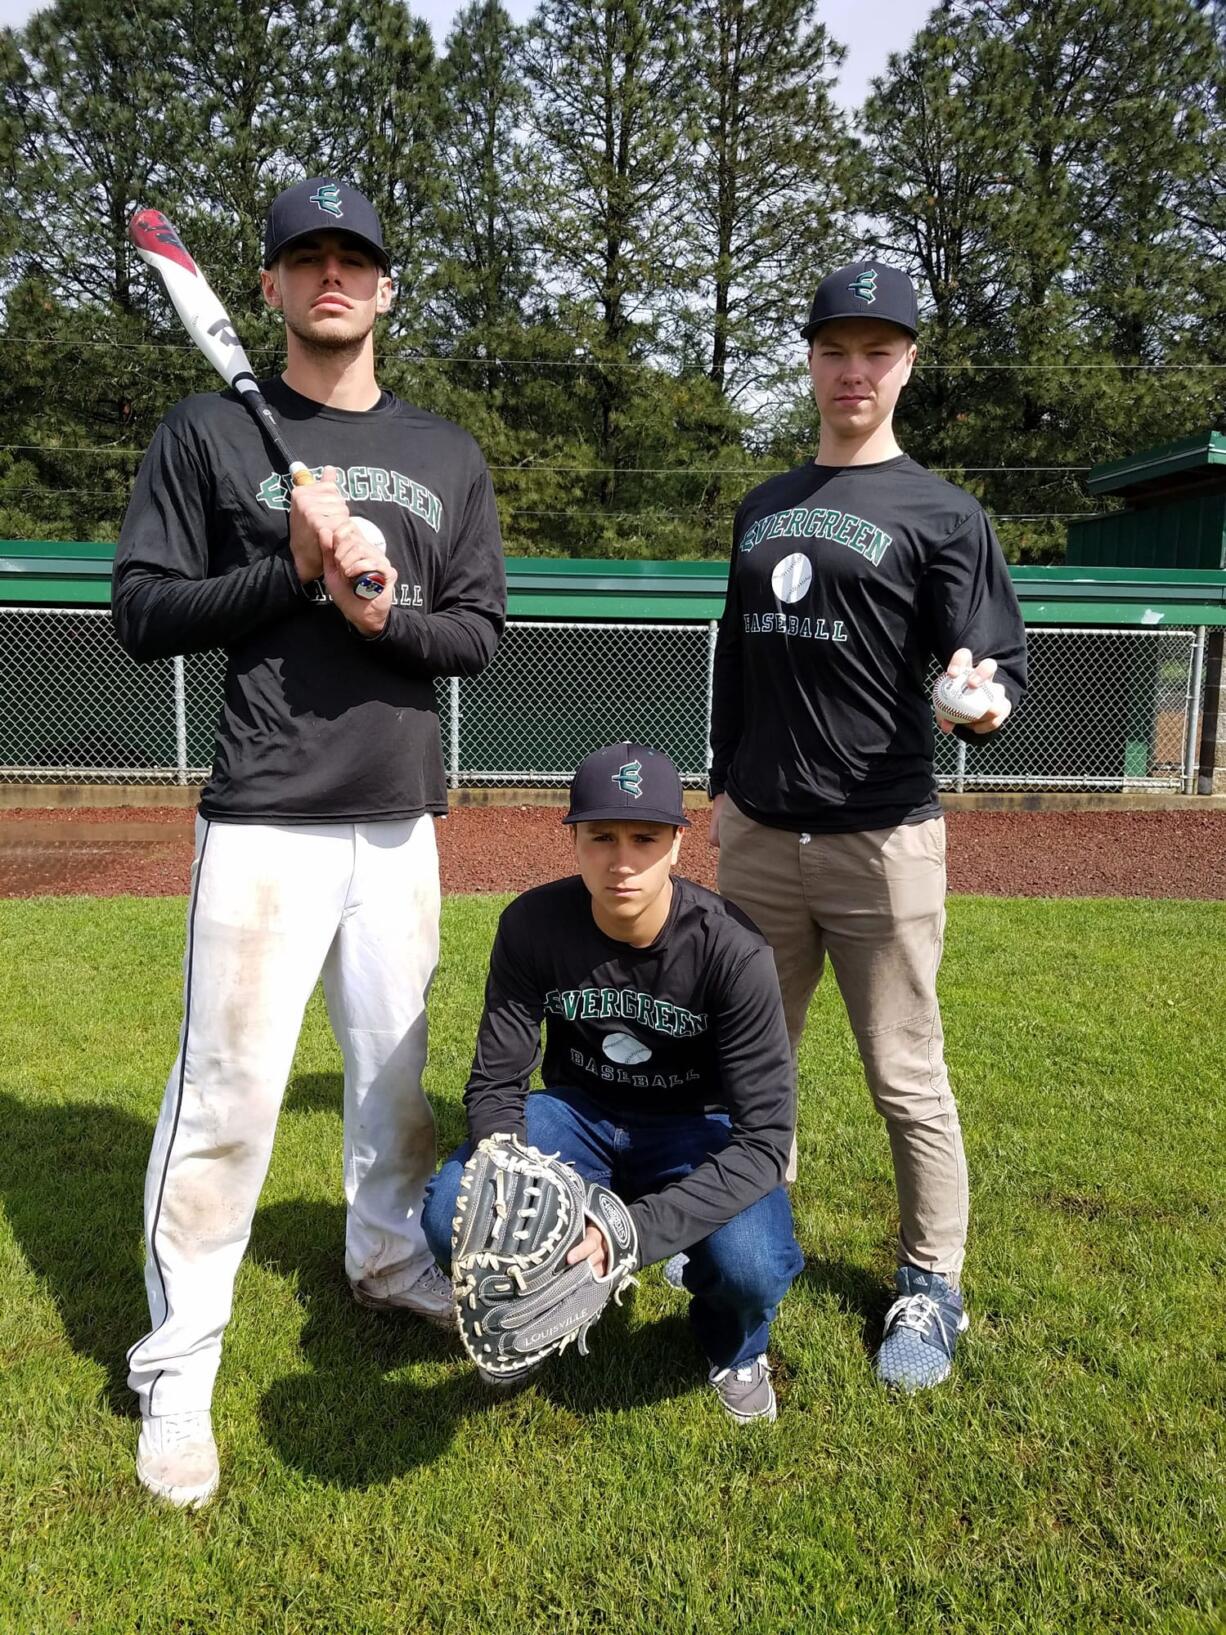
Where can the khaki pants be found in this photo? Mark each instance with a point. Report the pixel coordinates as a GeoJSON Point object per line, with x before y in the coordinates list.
{"type": "Point", "coordinates": [875, 902]}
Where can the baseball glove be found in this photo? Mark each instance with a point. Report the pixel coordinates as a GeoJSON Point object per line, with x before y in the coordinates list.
{"type": "Point", "coordinates": [518, 1214]}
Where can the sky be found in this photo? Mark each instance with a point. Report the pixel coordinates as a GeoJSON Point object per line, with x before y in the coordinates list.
{"type": "Point", "coordinates": [857, 24]}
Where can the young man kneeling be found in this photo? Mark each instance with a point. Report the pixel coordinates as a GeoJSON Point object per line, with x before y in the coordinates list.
{"type": "Point", "coordinates": [666, 1063]}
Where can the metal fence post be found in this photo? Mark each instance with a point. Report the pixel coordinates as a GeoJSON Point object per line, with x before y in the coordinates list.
{"type": "Point", "coordinates": [1192, 742]}
{"type": "Point", "coordinates": [180, 721]}
{"type": "Point", "coordinates": [712, 635]}
{"type": "Point", "coordinates": [454, 690]}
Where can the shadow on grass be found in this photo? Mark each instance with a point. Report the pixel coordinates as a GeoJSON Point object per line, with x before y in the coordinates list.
{"type": "Point", "coordinates": [626, 1370]}
{"type": "Point", "coordinates": [314, 1093]}
{"type": "Point", "coordinates": [71, 1182]}
{"type": "Point", "coordinates": [357, 1420]}
{"type": "Point", "coordinates": [349, 1421]}
{"type": "Point", "coordinates": [72, 1177]}
{"type": "Point", "coordinates": [324, 1093]}
{"type": "Point", "coordinates": [856, 1290]}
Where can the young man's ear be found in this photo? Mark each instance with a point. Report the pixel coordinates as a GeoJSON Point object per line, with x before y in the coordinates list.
{"type": "Point", "coordinates": [270, 288]}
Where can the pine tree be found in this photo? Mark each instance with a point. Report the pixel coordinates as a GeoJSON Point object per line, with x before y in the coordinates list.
{"type": "Point", "coordinates": [1036, 166]}
{"type": "Point", "coordinates": [607, 77]}
{"type": "Point", "coordinates": [768, 164]}
{"type": "Point", "coordinates": [89, 100]}
{"type": "Point", "coordinates": [376, 105]}
{"type": "Point", "coordinates": [484, 228]}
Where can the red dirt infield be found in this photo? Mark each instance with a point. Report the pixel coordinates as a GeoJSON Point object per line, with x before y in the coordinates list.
{"type": "Point", "coordinates": [147, 852]}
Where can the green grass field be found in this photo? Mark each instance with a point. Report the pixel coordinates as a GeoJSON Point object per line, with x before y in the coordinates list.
{"type": "Point", "coordinates": [1069, 1478]}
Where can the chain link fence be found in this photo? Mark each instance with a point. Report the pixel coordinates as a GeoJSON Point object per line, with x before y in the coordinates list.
{"type": "Point", "coordinates": [1107, 709]}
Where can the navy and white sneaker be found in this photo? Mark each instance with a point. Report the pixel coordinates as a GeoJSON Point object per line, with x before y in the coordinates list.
{"type": "Point", "coordinates": [674, 1271]}
{"type": "Point", "coordinates": [921, 1331]}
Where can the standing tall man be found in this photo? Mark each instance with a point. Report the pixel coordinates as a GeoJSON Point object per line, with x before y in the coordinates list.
{"type": "Point", "coordinates": [314, 841]}
{"type": "Point", "coordinates": [848, 575]}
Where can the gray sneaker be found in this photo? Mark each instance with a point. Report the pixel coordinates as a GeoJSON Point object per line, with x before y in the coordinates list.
{"type": "Point", "coordinates": [430, 1297]}
{"type": "Point", "coordinates": [746, 1392]}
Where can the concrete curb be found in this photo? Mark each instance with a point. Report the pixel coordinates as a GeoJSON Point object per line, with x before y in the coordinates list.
{"type": "Point", "coordinates": [65, 797]}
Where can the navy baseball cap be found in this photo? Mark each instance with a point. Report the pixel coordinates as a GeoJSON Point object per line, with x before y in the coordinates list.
{"type": "Point", "coordinates": [626, 781]}
{"type": "Point", "coordinates": [322, 205]}
{"type": "Point", "coordinates": [865, 289]}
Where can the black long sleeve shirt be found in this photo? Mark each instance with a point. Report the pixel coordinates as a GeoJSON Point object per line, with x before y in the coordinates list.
{"type": "Point", "coordinates": [318, 723]}
{"type": "Point", "coordinates": [692, 1023]}
{"type": "Point", "coordinates": [845, 582]}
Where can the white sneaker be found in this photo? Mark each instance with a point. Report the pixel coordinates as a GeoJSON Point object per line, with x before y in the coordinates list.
{"type": "Point", "coordinates": [430, 1297]}
{"type": "Point", "coordinates": [176, 1458]}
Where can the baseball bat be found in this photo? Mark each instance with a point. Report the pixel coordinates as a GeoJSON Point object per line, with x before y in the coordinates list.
{"type": "Point", "coordinates": [206, 321]}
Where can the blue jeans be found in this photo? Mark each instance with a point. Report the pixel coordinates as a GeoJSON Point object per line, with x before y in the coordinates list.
{"type": "Point", "coordinates": [737, 1276]}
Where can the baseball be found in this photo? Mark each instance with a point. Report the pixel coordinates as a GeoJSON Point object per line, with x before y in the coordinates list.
{"type": "Point", "coordinates": [370, 531]}
{"type": "Point", "coordinates": [792, 577]}
{"type": "Point", "coordinates": [952, 699]}
{"type": "Point", "coordinates": [626, 1049]}
{"type": "Point", "coordinates": [365, 586]}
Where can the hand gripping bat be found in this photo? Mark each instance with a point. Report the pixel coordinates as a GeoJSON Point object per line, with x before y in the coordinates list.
{"type": "Point", "coordinates": [206, 321]}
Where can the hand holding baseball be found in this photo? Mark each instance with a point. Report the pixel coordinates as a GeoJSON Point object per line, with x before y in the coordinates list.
{"type": "Point", "coordinates": [966, 695]}
{"type": "Point", "coordinates": [355, 549]}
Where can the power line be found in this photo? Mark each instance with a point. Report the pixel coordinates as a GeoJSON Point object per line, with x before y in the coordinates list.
{"type": "Point", "coordinates": [617, 471]}
{"type": "Point", "coordinates": [646, 515]}
{"type": "Point", "coordinates": [724, 516]}
{"type": "Point", "coordinates": [60, 448]}
{"type": "Point", "coordinates": [754, 471]}
{"type": "Point", "coordinates": [434, 359]}
{"type": "Point", "coordinates": [1022, 368]}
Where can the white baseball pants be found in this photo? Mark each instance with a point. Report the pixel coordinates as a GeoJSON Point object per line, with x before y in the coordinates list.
{"type": "Point", "coordinates": [271, 907]}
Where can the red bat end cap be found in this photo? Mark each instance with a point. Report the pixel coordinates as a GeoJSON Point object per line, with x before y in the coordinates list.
{"type": "Point", "coordinates": [149, 230]}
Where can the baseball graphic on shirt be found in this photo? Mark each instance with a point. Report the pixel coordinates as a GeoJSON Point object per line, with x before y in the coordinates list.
{"type": "Point", "coordinates": [624, 1048]}
{"type": "Point", "coordinates": [792, 577]}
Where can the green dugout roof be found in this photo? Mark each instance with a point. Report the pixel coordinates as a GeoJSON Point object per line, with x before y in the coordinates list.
{"type": "Point", "coordinates": [47, 573]}
{"type": "Point", "coordinates": [1199, 460]}
{"type": "Point", "coordinates": [1121, 596]}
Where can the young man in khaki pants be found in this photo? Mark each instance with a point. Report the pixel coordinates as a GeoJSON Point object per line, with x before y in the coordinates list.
{"type": "Point", "coordinates": [848, 574]}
